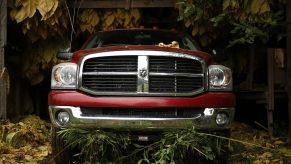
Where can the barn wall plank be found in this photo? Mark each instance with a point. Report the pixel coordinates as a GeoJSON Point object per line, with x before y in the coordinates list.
{"type": "Point", "coordinates": [3, 38]}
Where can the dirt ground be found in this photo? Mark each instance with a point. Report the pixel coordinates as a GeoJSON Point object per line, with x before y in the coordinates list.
{"type": "Point", "coordinates": [28, 141]}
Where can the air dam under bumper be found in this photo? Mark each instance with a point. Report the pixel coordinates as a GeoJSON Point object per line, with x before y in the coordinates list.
{"type": "Point", "coordinates": [205, 120]}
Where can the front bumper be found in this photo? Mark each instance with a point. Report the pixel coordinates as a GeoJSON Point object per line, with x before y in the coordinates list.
{"type": "Point", "coordinates": [205, 120]}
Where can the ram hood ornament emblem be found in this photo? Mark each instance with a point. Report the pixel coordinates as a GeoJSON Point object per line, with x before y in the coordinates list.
{"type": "Point", "coordinates": [143, 73]}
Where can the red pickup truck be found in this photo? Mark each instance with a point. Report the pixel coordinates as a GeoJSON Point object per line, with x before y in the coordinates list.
{"type": "Point", "coordinates": [140, 80]}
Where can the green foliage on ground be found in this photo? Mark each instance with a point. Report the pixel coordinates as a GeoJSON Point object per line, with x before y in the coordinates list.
{"type": "Point", "coordinates": [247, 145]}
{"type": "Point", "coordinates": [97, 146]}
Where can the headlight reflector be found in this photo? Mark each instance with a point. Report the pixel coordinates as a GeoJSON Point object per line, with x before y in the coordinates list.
{"type": "Point", "coordinates": [220, 78]}
{"type": "Point", "coordinates": [64, 76]}
{"type": "Point", "coordinates": [68, 75]}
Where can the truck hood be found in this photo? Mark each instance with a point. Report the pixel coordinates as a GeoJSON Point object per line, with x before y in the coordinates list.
{"type": "Point", "coordinates": [81, 53]}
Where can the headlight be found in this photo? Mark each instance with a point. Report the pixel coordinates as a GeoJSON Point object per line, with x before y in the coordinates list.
{"type": "Point", "coordinates": [64, 76]}
{"type": "Point", "coordinates": [220, 78]}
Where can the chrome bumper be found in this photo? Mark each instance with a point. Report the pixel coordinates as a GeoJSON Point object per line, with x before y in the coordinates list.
{"type": "Point", "coordinates": [205, 120]}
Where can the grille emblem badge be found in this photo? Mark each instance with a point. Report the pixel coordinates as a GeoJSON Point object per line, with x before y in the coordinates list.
{"type": "Point", "coordinates": [143, 73]}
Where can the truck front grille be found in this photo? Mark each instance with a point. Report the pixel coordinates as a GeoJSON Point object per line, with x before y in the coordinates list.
{"type": "Point", "coordinates": [142, 73]}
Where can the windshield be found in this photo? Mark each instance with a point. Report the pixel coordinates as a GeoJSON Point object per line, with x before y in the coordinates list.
{"type": "Point", "coordinates": [140, 37]}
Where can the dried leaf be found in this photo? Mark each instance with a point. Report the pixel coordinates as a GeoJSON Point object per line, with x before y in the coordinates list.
{"type": "Point", "coordinates": [234, 4]}
{"type": "Point", "coordinates": [195, 29]}
{"type": "Point", "coordinates": [95, 19]}
{"type": "Point", "coordinates": [136, 14]}
{"type": "Point", "coordinates": [20, 15]}
{"type": "Point", "coordinates": [64, 21]}
{"type": "Point", "coordinates": [278, 142]}
{"type": "Point", "coordinates": [27, 10]}
{"type": "Point", "coordinates": [89, 19]}
{"type": "Point", "coordinates": [13, 139]}
{"type": "Point", "coordinates": [121, 13]}
{"type": "Point", "coordinates": [13, 13]}
{"type": "Point", "coordinates": [44, 7]}
{"type": "Point", "coordinates": [30, 7]}
{"type": "Point", "coordinates": [256, 6]}
{"type": "Point", "coordinates": [43, 31]}
{"type": "Point", "coordinates": [33, 36]}
{"type": "Point", "coordinates": [286, 152]}
{"type": "Point", "coordinates": [188, 23]}
{"type": "Point", "coordinates": [109, 20]}
{"type": "Point", "coordinates": [202, 30]}
{"type": "Point", "coordinates": [126, 21]}
{"type": "Point", "coordinates": [265, 7]}
{"type": "Point", "coordinates": [48, 55]}
{"type": "Point", "coordinates": [37, 78]}
{"type": "Point", "coordinates": [52, 11]}
{"type": "Point", "coordinates": [257, 162]}
{"type": "Point", "coordinates": [269, 145]}
{"type": "Point", "coordinates": [267, 155]}
{"type": "Point", "coordinates": [28, 157]}
{"type": "Point", "coordinates": [275, 161]}
{"type": "Point", "coordinates": [243, 16]}
{"type": "Point", "coordinates": [225, 4]}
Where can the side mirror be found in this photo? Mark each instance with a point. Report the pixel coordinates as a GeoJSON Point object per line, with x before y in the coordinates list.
{"type": "Point", "coordinates": [65, 54]}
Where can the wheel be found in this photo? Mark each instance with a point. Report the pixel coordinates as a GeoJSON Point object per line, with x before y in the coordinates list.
{"type": "Point", "coordinates": [61, 153]}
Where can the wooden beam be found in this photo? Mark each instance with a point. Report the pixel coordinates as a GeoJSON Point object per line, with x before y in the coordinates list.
{"type": "Point", "coordinates": [288, 87]}
{"type": "Point", "coordinates": [270, 92]}
{"type": "Point", "coordinates": [121, 3]}
{"type": "Point", "coordinates": [250, 77]}
{"type": "Point", "coordinates": [152, 3]}
{"type": "Point", "coordinates": [3, 39]}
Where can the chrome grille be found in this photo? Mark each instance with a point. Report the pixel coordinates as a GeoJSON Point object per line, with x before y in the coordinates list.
{"type": "Point", "coordinates": [174, 65]}
{"type": "Point", "coordinates": [111, 64]}
{"type": "Point", "coordinates": [142, 73]}
{"type": "Point", "coordinates": [106, 83]}
{"type": "Point", "coordinates": [174, 84]}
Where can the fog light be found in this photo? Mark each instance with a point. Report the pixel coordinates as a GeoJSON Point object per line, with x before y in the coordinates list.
{"type": "Point", "coordinates": [63, 118]}
{"type": "Point", "coordinates": [222, 119]}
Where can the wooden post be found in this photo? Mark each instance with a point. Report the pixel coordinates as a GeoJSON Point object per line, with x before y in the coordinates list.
{"type": "Point", "coordinates": [270, 92]}
{"type": "Point", "coordinates": [251, 67]}
{"type": "Point", "coordinates": [288, 47]}
{"type": "Point", "coordinates": [3, 34]}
